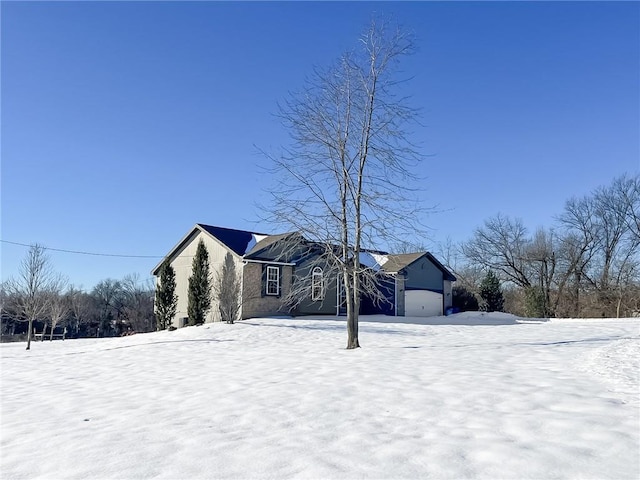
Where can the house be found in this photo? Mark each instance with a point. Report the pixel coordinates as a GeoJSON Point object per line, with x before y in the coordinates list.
{"type": "Point", "coordinates": [273, 268]}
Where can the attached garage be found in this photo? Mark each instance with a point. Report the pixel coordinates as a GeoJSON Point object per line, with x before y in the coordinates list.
{"type": "Point", "coordinates": [422, 303]}
{"type": "Point", "coordinates": [422, 284]}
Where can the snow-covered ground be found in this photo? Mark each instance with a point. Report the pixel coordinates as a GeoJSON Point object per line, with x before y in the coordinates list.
{"type": "Point", "coordinates": [465, 396]}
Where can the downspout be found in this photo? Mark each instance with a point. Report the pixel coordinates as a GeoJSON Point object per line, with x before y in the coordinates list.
{"type": "Point", "coordinates": [444, 300]}
{"type": "Point", "coordinates": [244, 266]}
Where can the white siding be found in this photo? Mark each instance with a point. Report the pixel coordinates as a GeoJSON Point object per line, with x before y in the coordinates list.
{"type": "Point", "coordinates": [182, 264]}
{"type": "Point", "coordinates": [448, 295]}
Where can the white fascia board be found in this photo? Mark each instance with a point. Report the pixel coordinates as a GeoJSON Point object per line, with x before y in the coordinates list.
{"type": "Point", "coordinates": [176, 247]}
{"type": "Point", "coordinates": [182, 243]}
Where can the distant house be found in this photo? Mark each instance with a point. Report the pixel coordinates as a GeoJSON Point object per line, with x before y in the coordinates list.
{"type": "Point", "coordinates": [270, 266]}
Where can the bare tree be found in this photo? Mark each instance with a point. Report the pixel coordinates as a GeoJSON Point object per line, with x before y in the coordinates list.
{"type": "Point", "coordinates": [81, 306]}
{"type": "Point", "coordinates": [468, 275]}
{"type": "Point", "coordinates": [543, 268]}
{"type": "Point", "coordinates": [627, 194]}
{"type": "Point", "coordinates": [137, 303]}
{"type": "Point", "coordinates": [611, 228]}
{"type": "Point", "coordinates": [344, 180]}
{"type": "Point", "coordinates": [108, 295]}
{"type": "Point", "coordinates": [589, 264]}
{"type": "Point", "coordinates": [501, 245]}
{"type": "Point", "coordinates": [59, 303]}
{"type": "Point", "coordinates": [8, 313]}
{"type": "Point", "coordinates": [227, 290]}
{"type": "Point", "coordinates": [29, 289]}
{"type": "Point", "coordinates": [603, 240]}
{"type": "Point", "coordinates": [579, 244]}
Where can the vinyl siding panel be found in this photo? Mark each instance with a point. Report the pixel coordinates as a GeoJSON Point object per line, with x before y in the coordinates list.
{"type": "Point", "coordinates": [182, 263]}
{"type": "Point", "coordinates": [423, 275]}
{"type": "Point", "coordinates": [448, 295]}
{"type": "Point", "coordinates": [302, 279]}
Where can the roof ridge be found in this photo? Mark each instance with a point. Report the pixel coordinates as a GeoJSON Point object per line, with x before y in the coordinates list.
{"type": "Point", "coordinates": [204, 225]}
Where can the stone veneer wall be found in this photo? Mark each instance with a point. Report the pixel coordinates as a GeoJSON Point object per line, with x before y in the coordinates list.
{"type": "Point", "coordinates": [256, 305]}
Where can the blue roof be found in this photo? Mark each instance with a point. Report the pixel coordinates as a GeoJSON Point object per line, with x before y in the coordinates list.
{"type": "Point", "coordinates": [236, 240]}
{"type": "Point", "coordinates": [245, 244]}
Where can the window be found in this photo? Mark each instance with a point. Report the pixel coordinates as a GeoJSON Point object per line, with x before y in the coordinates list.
{"type": "Point", "coordinates": [317, 284]}
{"type": "Point", "coordinates": [273, 281]}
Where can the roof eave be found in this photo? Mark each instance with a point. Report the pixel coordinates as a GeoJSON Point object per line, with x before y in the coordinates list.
{"type": "Point", "coordinates": [273, 262]}
{"type": "Point", "coordinates": [177, 246]}
{"type": "Point", "coordinates": [184, 240]}
{"type": "Point", "coordinates": [445, 271]}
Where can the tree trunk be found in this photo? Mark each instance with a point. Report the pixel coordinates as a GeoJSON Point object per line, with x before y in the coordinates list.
{"type": "Point", "coordinates": [577, 295]}
{"type": "Point", "coordinates": [352, 327]}
{"type": "Point", "coordinates": [29, 330]}
{"type": "Point", "coordinates": [352, 318]}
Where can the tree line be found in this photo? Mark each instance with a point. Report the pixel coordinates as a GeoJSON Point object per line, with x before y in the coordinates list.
{"type": "Point", "coordinates": [39, 300]}
{"type": "Point", "coordinates": [587, 264]}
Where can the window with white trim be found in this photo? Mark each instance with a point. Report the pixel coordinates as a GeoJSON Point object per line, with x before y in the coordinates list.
{"type": "Point", "coordinates": [317, 284]}
{"type": "Point", "coordinates": [273, 281]}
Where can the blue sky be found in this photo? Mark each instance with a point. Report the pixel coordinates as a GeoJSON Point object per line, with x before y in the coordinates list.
{"type": "Point", "coordinates": [125, 123]}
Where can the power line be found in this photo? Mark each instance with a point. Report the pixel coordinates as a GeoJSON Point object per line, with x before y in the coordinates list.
{"type": "Point", "coordinates": [77, 252]}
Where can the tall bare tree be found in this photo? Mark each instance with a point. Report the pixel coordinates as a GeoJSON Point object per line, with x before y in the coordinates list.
{"type": "Point", "coordinates": [543, 268]}
{"type": "Point", "coordinates": [579, 244]}
{"type": "Point", "coordinates": [8, 312]}
{"type": "Point", "coordinates": [81, 306]}
{"type": "Point", "coordinates": [627, 192]}
{"type": "Point", "coordinates": [344, 181]}
{"type": "Point", "coordinates": [501, 245]}
{"type": "Point", "coordinates": [59, 303]}
{"type": "Point", "coordinates": [504, 245]}
{"type": "Point", "coordinates": [605, 244]}
{"type": "Point", "coordinates": [137, 303]}
{"type": "Point", "coordinates": [108, 295]}
{"type": "Point", "coordinates": [468, 275]}
{"type": "Point", "coordinates": [29, 289]}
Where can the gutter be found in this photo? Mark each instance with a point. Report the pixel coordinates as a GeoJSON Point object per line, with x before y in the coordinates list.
{"type": "Point", "coordinates": [248, 260]}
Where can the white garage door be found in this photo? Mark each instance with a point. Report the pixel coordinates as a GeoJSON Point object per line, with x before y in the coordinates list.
{"type": "Point", "coordinates": [422, 303]}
